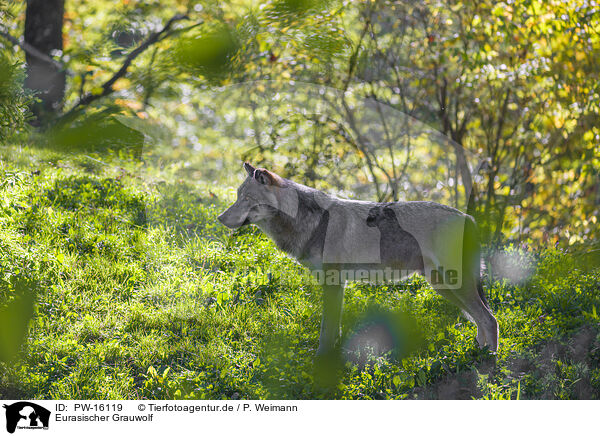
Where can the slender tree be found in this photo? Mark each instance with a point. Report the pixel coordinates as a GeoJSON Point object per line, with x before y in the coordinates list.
{"type": "Point", "coordinates": [43, 31]}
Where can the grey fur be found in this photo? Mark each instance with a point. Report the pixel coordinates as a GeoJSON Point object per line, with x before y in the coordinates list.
{"type": "Point", "coordinates": [324, 232]}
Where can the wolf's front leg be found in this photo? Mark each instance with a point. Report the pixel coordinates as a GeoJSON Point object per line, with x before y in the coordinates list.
{"type": "Point", "coordinates": [333, 296]}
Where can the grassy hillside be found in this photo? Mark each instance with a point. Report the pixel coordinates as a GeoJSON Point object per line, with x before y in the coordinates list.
{"type": "Point", "coordinates": [139, 292]}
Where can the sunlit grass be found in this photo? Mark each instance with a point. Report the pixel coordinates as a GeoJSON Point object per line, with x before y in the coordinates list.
{"type": "Point", "coordinates": [142, 294]}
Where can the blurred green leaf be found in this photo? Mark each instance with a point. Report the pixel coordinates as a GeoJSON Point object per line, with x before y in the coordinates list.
{"type": "Point", "coordinates": [14, 320]}
{"type": "Point", "coordinates": [209, 53]}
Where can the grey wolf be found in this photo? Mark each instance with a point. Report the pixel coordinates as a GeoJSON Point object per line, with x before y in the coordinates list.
{"type": "Point", "coordinates": [326, 233]}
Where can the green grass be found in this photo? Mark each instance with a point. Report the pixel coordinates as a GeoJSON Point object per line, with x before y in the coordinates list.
{"type": "Point", "coordinates": [140, 293]}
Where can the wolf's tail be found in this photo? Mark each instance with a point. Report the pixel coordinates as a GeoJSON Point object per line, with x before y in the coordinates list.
{"type": "Point", "coordinates": [472, 257]}
{"type": "Point", "coordinates": [481, 293]}
{"type": "Point", "coordinates": [471, 245]}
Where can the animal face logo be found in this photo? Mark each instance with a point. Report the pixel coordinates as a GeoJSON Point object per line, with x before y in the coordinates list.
{"type": "Point", "coordinates": [24, 414]}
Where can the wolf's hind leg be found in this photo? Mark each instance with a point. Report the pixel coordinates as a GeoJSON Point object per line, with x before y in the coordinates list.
{"type": "Point", "coordinates": [333, 296]}
{"type": "Point", "coordinates": [451, 297]}
{"type": "Point", "coordinates": [487, 326]}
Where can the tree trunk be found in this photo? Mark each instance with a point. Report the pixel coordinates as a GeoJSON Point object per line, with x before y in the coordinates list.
{"type": "Point", "coordinates": [43, 30]}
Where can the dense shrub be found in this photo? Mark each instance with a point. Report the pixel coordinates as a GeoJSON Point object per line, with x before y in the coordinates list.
{"type": "Point", "coordinates": [13, 99]}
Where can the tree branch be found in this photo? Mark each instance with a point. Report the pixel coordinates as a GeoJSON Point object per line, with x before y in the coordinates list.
{"type": "Point", "coordinates": [354, 57]}
{"type": "Point", "coordinates": [32, 51]}
{"type": "Point", "coordinates": [107, 87]}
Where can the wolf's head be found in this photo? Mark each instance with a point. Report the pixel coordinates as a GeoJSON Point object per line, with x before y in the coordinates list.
{"type": "Point", "coordinates": [262, 195]}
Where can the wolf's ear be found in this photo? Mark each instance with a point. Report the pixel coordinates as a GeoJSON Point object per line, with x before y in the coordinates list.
{"type": "Point", "coordinates": [263, 177]}
{"type": "Point", "coordinates": [249, 169]}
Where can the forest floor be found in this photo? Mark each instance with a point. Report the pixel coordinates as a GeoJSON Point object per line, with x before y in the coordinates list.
{"type": "Point", "coordinates": [118, 282]}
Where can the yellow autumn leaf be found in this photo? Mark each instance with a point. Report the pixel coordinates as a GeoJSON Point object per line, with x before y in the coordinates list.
{"type": "Point", "coordinates": [559, 122]}
{"type": "Point", "coordinates": [131, 104]}
{"type": "Point", "coordinates": [122, 84]}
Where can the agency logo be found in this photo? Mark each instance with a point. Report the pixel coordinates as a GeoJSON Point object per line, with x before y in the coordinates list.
{"type": "Point", "coordinates": [26, 415]}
